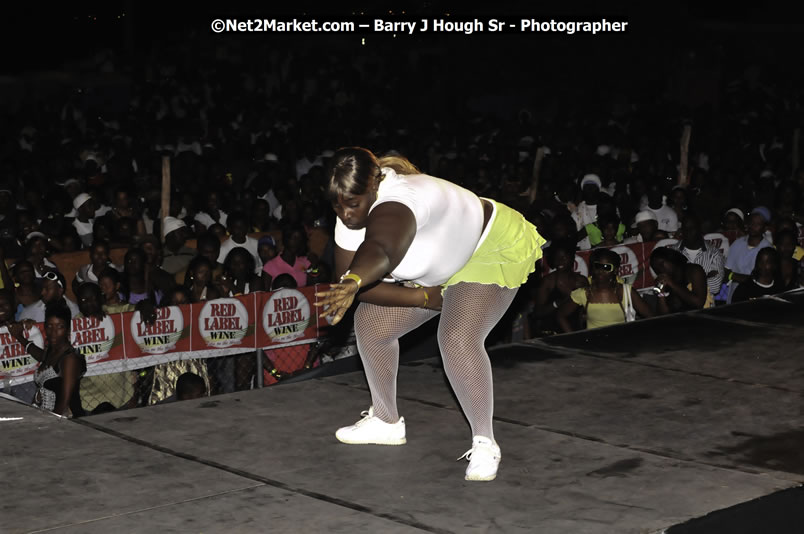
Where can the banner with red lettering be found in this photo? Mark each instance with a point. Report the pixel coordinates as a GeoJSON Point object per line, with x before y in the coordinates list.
{"type": "Point", "coordinates": [16, 365]}
{"type": "Point", "coordinates": [223, 326]}
{"type": "Point", "coordinates": [146, 344]}
{"type": "Point", "coordinates": [124, 342]}
{"type": "Point", "coordinates": [287, 316]}
{"type": "Point", "coordinates": [100, 341]}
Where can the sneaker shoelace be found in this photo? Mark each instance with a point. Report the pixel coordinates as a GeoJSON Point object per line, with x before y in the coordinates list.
{"type": "Point", "coordinates": [468, 454]}
{"type": "Point", "coordinates": [365, 417]}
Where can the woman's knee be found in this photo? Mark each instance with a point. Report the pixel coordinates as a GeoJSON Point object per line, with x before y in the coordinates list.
{"type": "Point", "coordinates": [459, 340]}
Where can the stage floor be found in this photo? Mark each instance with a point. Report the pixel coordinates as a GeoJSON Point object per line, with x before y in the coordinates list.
{"type": "Point", "coordinates": [629, 429]}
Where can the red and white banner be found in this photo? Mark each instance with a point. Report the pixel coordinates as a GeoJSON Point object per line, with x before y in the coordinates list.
{"type": "Point", "coordinates": [123, 342]}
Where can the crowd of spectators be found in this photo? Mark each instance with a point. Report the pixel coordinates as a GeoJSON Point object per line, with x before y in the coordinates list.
{"type": "Point", "coordinates": [248, 134]}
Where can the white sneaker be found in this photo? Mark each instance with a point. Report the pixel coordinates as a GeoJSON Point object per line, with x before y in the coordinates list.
{"type": "Point", "coordinates": [373, 431]}
{"type": "Point", "coordinates": [484, 458]}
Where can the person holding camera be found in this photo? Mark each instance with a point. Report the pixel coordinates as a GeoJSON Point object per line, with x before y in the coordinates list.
{"type": "Point", "coordinates": [680, 285]}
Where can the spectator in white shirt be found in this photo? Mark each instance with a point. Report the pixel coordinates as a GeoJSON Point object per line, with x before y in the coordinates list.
{"type": "Point", "coordinates": [668, 220]}
{"type": "Point", "coordinates": [212, 213]}
{"type": "Point", "coordinates": [238, 228]}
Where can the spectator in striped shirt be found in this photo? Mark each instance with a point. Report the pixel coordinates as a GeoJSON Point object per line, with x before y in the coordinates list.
{"type": "Point", "coordinates": [699, 252]}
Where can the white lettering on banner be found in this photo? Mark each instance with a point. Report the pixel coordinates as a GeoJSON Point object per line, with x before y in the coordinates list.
{"type": "Point", "coordinates": [223, 323]}
{"type": "Point", "coordinates": [162, 336]}
{"type": "Point", "coordinates": [286, 315]}
{"type": "Point", "coordinates": [93, 337]}
{"type": "Point", "coordinates": [629, 264]}
{"type": "Point", "coordinates": [14, 361]}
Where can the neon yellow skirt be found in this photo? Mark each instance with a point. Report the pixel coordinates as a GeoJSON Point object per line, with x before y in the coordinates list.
{"type": "Point", "coordinates": [507, 255]}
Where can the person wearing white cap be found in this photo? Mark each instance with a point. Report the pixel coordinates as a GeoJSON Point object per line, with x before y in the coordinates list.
{"type": "Point", "coordinates": [734, 222]}
{"type": "Point", "coordinates": [176, 256]}
{"type": "Point", "coordinates": [586, 212]}
{"type": "Point", "coordinates": [84, 206]}
{"type": "Point", "coordinates": [647, 226]}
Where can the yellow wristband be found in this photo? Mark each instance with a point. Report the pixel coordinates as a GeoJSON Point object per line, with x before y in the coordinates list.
{"type": "Point", "coordinates": [426, 299]}
{"type": "Point", "coordinates": [351, 276]}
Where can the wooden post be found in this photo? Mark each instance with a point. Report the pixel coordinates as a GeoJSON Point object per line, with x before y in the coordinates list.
{"type": "Point", "coordinates": [165, 193]}
{"type": "Point", "coordinates": [683, 165]}
{"type": "Point", "coordinates": [796, 141]}
{"type": "Point", "coordinates": [537, 170]}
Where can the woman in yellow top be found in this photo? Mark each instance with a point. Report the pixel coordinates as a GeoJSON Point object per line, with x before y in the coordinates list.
{"type": "Point", "coordinates": [606, 299]}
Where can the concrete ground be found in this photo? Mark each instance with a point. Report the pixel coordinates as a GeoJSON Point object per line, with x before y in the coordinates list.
{"type": "Point", "coordinates": [630, 429]}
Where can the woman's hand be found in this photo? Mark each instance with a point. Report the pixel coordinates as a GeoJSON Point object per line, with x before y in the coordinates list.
{"type": "Point", "coordinates": [147, 311]}
{"type": "Point", "coordinates": [337, 300]}
{"type": "Point", "coordinates": [226, 285]}
{"type": "Point", "coordinates": [666, 281]}
{"type": "Point", "coordinates": [16, 330]}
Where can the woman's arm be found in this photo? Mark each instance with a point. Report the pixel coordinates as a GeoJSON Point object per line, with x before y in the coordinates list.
{"type": "Point", "coordinates": [70, 375]}
{"type": "Point", "coordinates": [16, 330]}
{"type": "Point", "coordinates": [640, 305]}
{"type": "Point", "coordinates": [267, 280]}
{"type": "Point", "coordinates": [390, 231]}
{"type": "Point", "coordinates": [564, 311]}
{"type": "Point", "coordinates": [381, 293]}
{"type": "Point", "coordinates": [542, 305]}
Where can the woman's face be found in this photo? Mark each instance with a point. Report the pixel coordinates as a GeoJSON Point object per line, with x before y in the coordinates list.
{"type": "Point", "coordinates": [98, 255]}
{"type": "Point", "coordinates": [134, 264]}
{"type": "Point", "coordinates": [238, 267]}
{"type": "Point", "coordinates": [266, 252]}
{"type": "Point", "coordinates": [151, 253]}
{"type": "Point", "coordinates": [786, 246]}
{"type": "Point", "coordinates": [38, 248]}
{"type": "Point", "coordinates": [108, 287]}
{"type": "Point", "coordinates": [604, 271]}
{"type": "Point", "coordinates": [88, 303]}
{"type": "Point", "coordinates": [563, 260]}
{"type": "Point", "coordinates": [662, 266]}
{"type": "Point", "coordinates": [295, 242]}
{"type": "Point", "coordinates": [121, 200]}
{"type": "Point", "coordinates": [209, 251]}
{"type": "Point", "coordinates": [610, 232]}
{"type": "Point", "coordinates": [733, 223]}
{"type": "Point", "coordinates": [353, 210]}
{"type": "Point", "coordinates": [202, 274]}
{"type": "Point", "coordinates": [766, 265]}
{"type": "Point", "coordinates": [56, 330]}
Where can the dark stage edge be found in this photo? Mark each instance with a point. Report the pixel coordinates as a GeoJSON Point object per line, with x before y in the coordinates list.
{"type": "Point", "coordinates": [636, 429]}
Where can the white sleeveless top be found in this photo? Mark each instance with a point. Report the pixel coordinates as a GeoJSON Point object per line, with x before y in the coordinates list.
{"type": "Point", "coordinates": [449, 224]}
